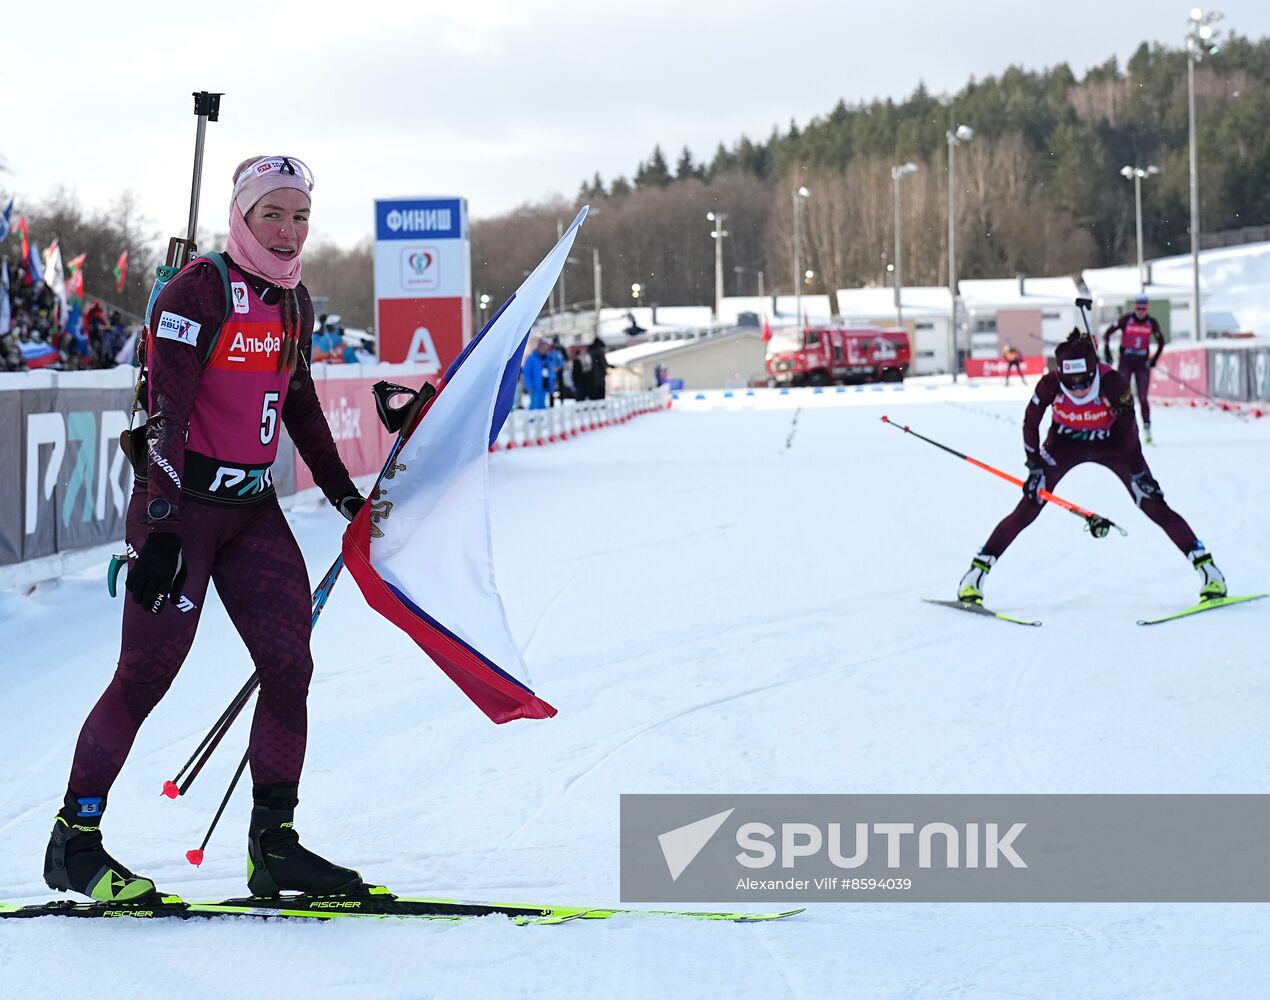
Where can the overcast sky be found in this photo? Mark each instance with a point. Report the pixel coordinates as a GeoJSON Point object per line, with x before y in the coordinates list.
{"type": "Point", "coordinates": [501, 101]}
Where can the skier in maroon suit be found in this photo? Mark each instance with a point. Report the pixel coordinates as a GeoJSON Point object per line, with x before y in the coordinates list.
{"type": "Point", "coordinates": [204, 511]}
{"type": "Point", "coordinates": [1137, 330]}
{"type": "Point", "coordinates": [1091, 421]}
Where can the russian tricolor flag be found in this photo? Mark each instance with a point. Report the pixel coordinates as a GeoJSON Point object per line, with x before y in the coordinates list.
{"type": "Point", "coordinates": [420, 550]}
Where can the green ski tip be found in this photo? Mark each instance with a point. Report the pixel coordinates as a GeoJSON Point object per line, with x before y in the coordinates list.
{"type": "Point", "coordinates": [977, 608]}
{"type": "Point", "coordinates": [1209, 605]}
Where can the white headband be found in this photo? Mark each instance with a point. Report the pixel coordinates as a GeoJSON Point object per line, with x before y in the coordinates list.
{"type": "Point", "coordinates": [259, 175]}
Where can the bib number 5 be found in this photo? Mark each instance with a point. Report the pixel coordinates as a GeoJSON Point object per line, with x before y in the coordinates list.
{"type": "Point", "coordinates": [269, 417]}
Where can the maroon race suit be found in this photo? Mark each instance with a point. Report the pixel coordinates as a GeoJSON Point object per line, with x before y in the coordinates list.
{"type": "Point", "coordinates": [1136, 359]}
{"type": "Point", "coordinates": [211, 437]}
{"type": "Point", "coordinates": [1098, 427]}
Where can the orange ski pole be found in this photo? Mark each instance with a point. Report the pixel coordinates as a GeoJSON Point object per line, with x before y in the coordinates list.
{"type": "Point", "coordinates": [1098, 525]}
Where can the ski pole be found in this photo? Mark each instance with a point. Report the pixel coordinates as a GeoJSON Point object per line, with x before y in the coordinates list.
{"type": "Point", "coordinates": [211, 741]}
{"type": "Point", "coordinates": [397, 419]}
{"type": "Point", "coordinates": [170, 788]}
{"type": "Point", "coordinates": [195, 857]}
{"type": "Point", "coordinates": [1098, 525]}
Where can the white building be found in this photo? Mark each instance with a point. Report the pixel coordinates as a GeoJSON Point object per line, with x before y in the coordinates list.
{"type": "Point", "coordinates": [1113, 290]}
{"type": "Point", "coordinates": [927, 317]}
{"type": "Point", "coordinates": [1233, 289]}
{"type": "Point", "coordinates": [779, 310]}
{"type": "Point", "coordinates": [616, 322]}
{"type": "Point", "coordinates": [1032, 314]}
{"type": "Point", "coordinates": [729, 359]}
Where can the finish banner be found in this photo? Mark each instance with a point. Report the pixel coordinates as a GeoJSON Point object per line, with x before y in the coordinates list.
{"type": "Point", "coordinates": [423, 281]}
{"type": "Point", "coordinates": [999, 367]}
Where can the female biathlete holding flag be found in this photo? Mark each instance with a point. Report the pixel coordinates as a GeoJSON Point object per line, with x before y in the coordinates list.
{"type": "Point", "coordinates": [204, 511]}
{"type": "Point", "coordinates": [1092, 421]}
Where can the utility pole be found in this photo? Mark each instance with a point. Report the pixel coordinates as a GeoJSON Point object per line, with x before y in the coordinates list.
{"type": "Point", "coordinates": [595, 269]}
{"type": "Point", "coordinates": [962, 133]}
{"type": "Point", "coordinates": [564, 269]}
{"type": "Point", "coordinates": [898, 174]}
{"type": "Point", "coordinates": [799, 195]}
{"type": "Point", "coordinates": [717, 234]}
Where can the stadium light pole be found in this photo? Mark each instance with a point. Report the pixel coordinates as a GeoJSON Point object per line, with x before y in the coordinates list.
{"type": "Point", "coordinates": [799, 197]}
{"type": "Point", "coordinates": [717, 234]}
{"type": "Point", "coordinates": [897, 175]}
{"type": "Point", "coordinates": [962, 133]}
{"type": "Point", "coordinates": [1136, 174]}
{"type": "Point", "coordinates": [1201, 40]}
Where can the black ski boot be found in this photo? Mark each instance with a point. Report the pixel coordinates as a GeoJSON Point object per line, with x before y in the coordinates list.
{"type": "Point", "coordinates": [76, 861]}
{"type": "Point", "coordinates": [276, 861]}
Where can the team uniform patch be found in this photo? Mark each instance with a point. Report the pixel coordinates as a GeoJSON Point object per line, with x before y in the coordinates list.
{"type": "Point", "coordinates": [173, 326]}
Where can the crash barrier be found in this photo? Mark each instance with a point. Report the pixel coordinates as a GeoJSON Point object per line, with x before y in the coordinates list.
{"type": "Point", "coordinates": [1227, 374]}
{"type": "Point", "coordinates": [65, 484]}
{"type": "Point", "coordinates": [1223, 374]}
{"type": "Point", "coordinates": [532, 428]}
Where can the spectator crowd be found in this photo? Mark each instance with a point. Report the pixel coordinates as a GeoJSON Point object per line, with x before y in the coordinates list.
{"type": "Point", "coordinates": [552, 374]}
{"type": "Point", "coordinates": [37, 338]}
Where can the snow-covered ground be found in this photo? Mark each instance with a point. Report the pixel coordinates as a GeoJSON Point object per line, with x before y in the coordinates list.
{"type": "Point", "coordinates": [720, 598]}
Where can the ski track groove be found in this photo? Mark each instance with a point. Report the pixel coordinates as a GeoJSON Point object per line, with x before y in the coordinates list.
{"type": "Point", "coordinates": [569, 783]}
{"type": "Point", "coordinates": [1011, 706]}
{"type": "Point", "coordinates": [778, 965]}
{"type": "Point", "coordinates": [642, 546]}
{"type": "Point", "coordinates": [1026, 725]}
{"type": "Point", "coordinates": [546, 610]}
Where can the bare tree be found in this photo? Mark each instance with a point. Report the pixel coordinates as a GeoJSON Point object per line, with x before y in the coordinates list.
{"type": "Point", "coordinates": [346, 278]}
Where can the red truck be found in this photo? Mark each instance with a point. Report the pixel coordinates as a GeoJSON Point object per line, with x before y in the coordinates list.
{"type": "Point", "coordinates": [825, 355]}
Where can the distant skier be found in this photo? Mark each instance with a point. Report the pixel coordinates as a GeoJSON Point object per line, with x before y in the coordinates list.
{"type": "Point", "coordinates": [204, 510]}
{"type": "Point", "coordinates": [1092, 421]}
{"type": "Point", "coordinates": [1013, 363]}
{"type": "Point", "coordinates": [1137, 330]}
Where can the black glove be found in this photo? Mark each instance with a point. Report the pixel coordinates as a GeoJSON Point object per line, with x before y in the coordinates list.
{"type": "Point", "coordinates": [349, 506]}
{"type": "Point", "coordinates": [1144, 487]}
{"type": "Point", "coordinates": [158, 572]}
{"type": "Point", "coordinates": [1099, 527]}
{"type": "Point", "coordinates": [1035, 483]}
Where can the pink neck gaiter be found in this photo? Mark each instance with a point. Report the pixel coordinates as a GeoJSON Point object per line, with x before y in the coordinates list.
{"type": "Point", "coordinates": [248, 254]}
